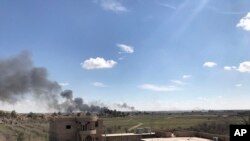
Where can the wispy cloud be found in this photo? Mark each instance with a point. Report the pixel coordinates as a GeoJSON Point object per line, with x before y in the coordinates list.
{"type": "Point", "coordinates": [159, 88]}
{"type": "Point", "coordinates": [219, 11]}
{"type": "Point", "coordinates": [245, 22]}
{"type": "Point", "coordinates": [166, 5]}
{"type": "Point", "coordinates": [209, 64]}
{"type": "Point", "coordinates": [178, 82]}
{"type": "Point", "coordinates": [64, 84]}
{"type": "Point", "coordinates": [186, 76]}
{"type": "Point", "coordinates": [125, 48]}
{"type": "Point", "coordinates": [121, 58]}
{"type": "Point", "coordinates": [238, 85]}
{"type": "Point", "coordinates": [99, 84]}
{"type": "Point", "coordinates": [112, 5]}
{"type": "Point", "coordinates": [98, 63]}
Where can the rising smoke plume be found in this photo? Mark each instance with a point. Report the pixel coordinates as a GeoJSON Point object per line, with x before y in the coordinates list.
{"type": "Point", "coordinates": [18, 78]}
{"type": "Point", "coordinates": [76, 104]}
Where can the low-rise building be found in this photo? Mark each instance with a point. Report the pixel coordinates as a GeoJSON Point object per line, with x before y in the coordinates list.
{"type": "Point", "coordinates": [87, 128]}
{"type": "Point", "coordinates": [90, 128]}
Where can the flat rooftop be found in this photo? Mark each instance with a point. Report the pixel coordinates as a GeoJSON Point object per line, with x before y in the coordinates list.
{"type": "Point", "coordinates": [126, 134]}
{"type": "Point", "coordinates": [177, 139]}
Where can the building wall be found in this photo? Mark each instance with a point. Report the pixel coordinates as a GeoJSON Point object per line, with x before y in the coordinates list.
{"type": "Point", "coordinates": [184, 133]}
{"type": "Point", "coordinates": [163, 134]}
{"type": "Point", "coordinates": [76, 129]}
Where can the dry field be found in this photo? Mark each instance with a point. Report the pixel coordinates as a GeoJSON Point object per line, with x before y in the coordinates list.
{"type": "Point", "coordinates": [37, 130]}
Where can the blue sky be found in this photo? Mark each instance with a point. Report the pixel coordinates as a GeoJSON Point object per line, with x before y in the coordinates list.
{"type": "Point", "coordinates": [151, 54]}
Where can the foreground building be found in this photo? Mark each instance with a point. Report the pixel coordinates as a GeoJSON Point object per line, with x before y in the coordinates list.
{"type": "Point", "coordinates": [87, 128]}
{"type": "Point", "coordinates": [90, 128]}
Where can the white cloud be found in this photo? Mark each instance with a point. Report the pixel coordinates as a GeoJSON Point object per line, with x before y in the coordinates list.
{"type": "Point", "coordinates": [238, 85]}
{"type": "Point", "coordinates": [113, 5]}
{"type": "Point", "coordinates": [229, 68]}
{"type": "Point", "coordinates": [209, 64]}
{"type": "Point", "coordinates": [245, 22]}
{"type": "Point", "coordinates": [244, 67]}
{"type": "Point", "coordinates": [98, 63]}
{"type": "Point", "coordinates": [178, 82]}
{"type": "Point", "coordinates": [98, 84]}
{"type": "Point", "coordinates": [186, 76]}
{"type": "Point", "coordinates": [159, 88]}
{"type": "Point", "coordinates": [126, 48]}
{"type": "Point", "coordinates": [64, 84]}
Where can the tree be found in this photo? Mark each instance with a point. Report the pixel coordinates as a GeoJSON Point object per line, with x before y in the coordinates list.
{"type": "Point", "coordinates": [78, 114]}
{"type": "Point", "coordinates": [126, 130]}
{"type": "Point", "coordinates": [20, 136]}
{"type": "Point", "coordinates": [2, 114]}
{"type": "Point", "coordinates": [13, 114]}
{"type": "Point", "coordinates": [88, 114]}
{"type": "Point", "coordinates": [32, 115]}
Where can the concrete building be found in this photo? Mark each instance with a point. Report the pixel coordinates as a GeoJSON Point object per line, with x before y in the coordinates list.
{"type": "Point", "coordinates": [87, 128]}
{"type": "Point", "coordinates": [90, 128]}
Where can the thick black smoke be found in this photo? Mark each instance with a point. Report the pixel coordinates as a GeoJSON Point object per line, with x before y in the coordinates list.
{"type": "Point", "coordinates": [125, 106]}
{"type": "Point", "coordinates": [76, 104]}
{"type": "Point", "coordinates": [19, 77]}
{"type": "Point", "coordinates": [68, 94]}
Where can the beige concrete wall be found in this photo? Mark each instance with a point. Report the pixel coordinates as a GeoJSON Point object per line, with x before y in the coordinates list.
{"type": "Point", "coordinates": [59, 132]}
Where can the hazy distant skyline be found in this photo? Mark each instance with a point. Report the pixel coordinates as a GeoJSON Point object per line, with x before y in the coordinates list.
{"type": "Point", "coordinates": [153, 55]}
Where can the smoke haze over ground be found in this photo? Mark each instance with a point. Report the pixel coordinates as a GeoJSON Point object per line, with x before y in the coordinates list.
{"type": "Point", "coordinates": [125, 106]}
{"type": "Point", "coordinates": [76, 104]}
